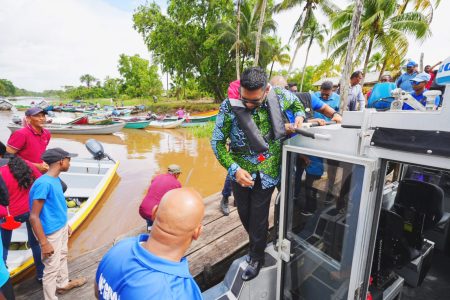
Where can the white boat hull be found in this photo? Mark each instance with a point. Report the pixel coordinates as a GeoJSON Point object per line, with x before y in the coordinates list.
{"type": "Point", "coordinates": [166, 125]}
{"type": "Point", "coordinates": [77, 129]}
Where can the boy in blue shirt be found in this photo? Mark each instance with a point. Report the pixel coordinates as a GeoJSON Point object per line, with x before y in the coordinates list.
{"type": "Point", "coordinates": [153, 267]}
{"type": "Point", "coordinates": [48, 219]}
{"type": "Point", "coordinates": [419, 87]}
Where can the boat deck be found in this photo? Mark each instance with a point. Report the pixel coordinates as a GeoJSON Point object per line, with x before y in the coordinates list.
{"type": "Point", "coordinates": [223, 239]}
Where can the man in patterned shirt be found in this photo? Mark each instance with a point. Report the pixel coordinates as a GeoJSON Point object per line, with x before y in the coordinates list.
{"type": "Point", "coordinates": [255, 127]}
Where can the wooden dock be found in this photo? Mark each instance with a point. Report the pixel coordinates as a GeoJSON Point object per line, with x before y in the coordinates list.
{"type": "Point", "coordinates": [223, 239]}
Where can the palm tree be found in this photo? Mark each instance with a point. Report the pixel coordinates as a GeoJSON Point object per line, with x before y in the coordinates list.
{"type": "Point", "coordinates": [248, 28]}
{"type": "Point", "coordinates": [327, 68]}
{"type": "Point", "coordinates": [306, 7]}
{"type": "Point", "coordinates": [381, 28]}
{"type": "Point", "coordinates": [88, 79]}
{"type": "Point", "coordinates": [238, 26]}
{"type": "Point", "coordinates": [376, 62]}
{"type": "Point", "coordinates": [313, 33]}
{"type": "Point", "coordinates": [279, 54]}
{"type": "Point", "coordinates": [260, 28]}
{"type": "Point", "coordinates": [420, 5]}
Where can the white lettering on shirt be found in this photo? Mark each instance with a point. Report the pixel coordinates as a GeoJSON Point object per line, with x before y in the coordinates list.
{"type": "Point", "coordinates": [105, 290]}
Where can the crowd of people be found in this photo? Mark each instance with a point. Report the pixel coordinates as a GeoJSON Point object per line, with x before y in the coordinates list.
{"type": "Point", "coordinates": [252, 123]}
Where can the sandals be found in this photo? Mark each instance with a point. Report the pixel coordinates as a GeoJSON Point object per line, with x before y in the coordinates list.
{"type": "Point", "coordinates": [71, 285]}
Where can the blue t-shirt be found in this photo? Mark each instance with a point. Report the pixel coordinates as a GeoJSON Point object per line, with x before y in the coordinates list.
{"type": "Point", "coordinates": [4, 274]}
{"type": "Point", "coordinates": [54, 212]}
{"type": "Point", "coordinates": [404, 81]}
{"type": "Point", "coordinates": [422, 99]}
{"type": "Point", "coordinates": [129, 271]}
{"type": "Point", "coordinates": [333, 101]}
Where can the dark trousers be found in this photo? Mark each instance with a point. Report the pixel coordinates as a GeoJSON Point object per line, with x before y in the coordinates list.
{"type": "Point", "coordinates": [253, 208]}
{"type": "Point", "coordinates": [226, 191]}
{"type": "Point", "coordinates": [32, 241]}
{"type": "Point", "coordinates": [8, 290]}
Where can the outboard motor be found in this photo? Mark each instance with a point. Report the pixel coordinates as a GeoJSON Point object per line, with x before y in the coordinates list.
{"type": "Point", "coordinates": [96, 149]}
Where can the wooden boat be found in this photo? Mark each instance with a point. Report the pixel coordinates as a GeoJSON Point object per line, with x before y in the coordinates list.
{"type": "Point", "coordinates": [5, 104]}
{"type": "Point", "coordinates": [77, 129]}
{"type": "Point", "coordinates": [194, 120]}
{"type": "Point", "coordinates": [165, 124]}
{"type": "Point", "coordinates": [133, 122]}
{"type": "Point", "coordinates": [87, 180]}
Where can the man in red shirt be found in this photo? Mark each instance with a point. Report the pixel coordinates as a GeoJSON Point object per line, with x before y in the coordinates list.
{"type": "Point", "coordinates": [160, 185]}
{"type": "Point", "coordinates": [31, 141]}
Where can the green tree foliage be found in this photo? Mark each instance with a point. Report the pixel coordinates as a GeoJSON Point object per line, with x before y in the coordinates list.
{"type": "Point", "coordinates": [278, 54]}
{"type": "Point", "coordinates": [184, 42]}
{"type": "Point", "coordinates": [381, 28]}
{"type": "Point", "coordinates": [307, 80]}
{"type": "Point", "coordinates": [7, 88]}
{"type": "Point", "coordinates": [139, 78]}
{"type": "Point", "coordinates": [88, 80]}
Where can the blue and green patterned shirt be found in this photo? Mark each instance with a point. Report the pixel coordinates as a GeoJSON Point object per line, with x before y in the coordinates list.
{"type": "Point", "coordinates": [239, 154]}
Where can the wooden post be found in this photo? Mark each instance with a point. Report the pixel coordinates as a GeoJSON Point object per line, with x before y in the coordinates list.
{"type": "Point", "coordinates": [354, 31]}
{"type": "Point", "coordinates": [421, 63]}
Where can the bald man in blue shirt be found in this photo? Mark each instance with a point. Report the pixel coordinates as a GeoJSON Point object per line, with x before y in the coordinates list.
{"type": "Point", "coordinates": [153, 266]}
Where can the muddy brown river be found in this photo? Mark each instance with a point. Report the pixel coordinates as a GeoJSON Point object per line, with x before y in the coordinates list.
{"type": "Point", "coordinates": [142, 153]}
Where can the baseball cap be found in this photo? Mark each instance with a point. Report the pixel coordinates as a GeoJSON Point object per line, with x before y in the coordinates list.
{"type": "Point", "coordinates": [421, 77]}
{"type": "Point", "coordinates": [56, 154]}
{"type": "Point", "coordinates": [34, 111]}
{"type": "Point", "coordinates": [174, 169]}
{"type": "Point", "coordinates": [326, 85]}
{"type": "Point", "coordinates": [411, 63]}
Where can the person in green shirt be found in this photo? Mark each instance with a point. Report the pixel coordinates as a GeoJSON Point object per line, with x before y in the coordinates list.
{"type": "Point", "coordinates": [254, 124]}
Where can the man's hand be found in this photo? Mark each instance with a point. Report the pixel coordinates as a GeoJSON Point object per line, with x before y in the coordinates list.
{"type": "Point", "coordinates": [298, 122]}
{"type": "Point", "coordinates": [337, 118]}
{"type": "Point", "coordinates": [47, 250]}
{"type": "Point", "coordinates": [289, 127]}
{"type": "Point", "coordinates": [69, 230]}
{"type": "Point", "coordinates": [321, 122]}
{"type": "Point", "coordinates": [244, 178]}
{"type": "Point", "coordinates": [42, 167]}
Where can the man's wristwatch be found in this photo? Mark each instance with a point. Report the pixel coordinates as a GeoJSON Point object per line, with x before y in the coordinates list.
{"type": "Point", "coordinates": [335, 113]}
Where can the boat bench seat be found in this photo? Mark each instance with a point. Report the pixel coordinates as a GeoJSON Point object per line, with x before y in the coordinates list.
{"type": "Point", "coordinates": [79, 192]}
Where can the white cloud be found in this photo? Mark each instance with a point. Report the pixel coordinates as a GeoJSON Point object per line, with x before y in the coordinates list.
{"type": "Point", "coordinates": [47, 44]}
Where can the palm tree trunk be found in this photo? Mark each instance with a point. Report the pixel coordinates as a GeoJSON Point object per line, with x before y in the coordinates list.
{"type": "Point", "coordinates": [271, 68]}
{"type": "Point", "coordinates": [297, 47]}
{"type": "Point", "coordinates": [366, 61]}
{"type": "Point", "coordinates": [354, 31]}
{"type": "Point", "coordinates": [260, 27]}
{"type": "Point", "coordinates": [383, 68]}
{"type": "Point", "coordinates": [238, 29]}
{"type": "Point", "coordinates": [404, 5]}
{"type": "Point", "coordinates": [306, 60]}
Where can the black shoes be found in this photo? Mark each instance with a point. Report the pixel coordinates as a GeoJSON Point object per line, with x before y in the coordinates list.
{"type": "Point", "coordinates": [252, 269]}
{"type": "Point", "coordinates": [224, 206]}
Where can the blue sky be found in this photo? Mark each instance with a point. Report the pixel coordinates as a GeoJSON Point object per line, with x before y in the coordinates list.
{"type": "Point", "coordinates": [47, 44]}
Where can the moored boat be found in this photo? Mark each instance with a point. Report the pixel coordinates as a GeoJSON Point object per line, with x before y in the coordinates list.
{"type": "Point", "coordinates": [87, 180]}
{"type": "Point", "coordinates": [77, 129]}
{"type": "Point", "coordinates": [5, 104]}
{"type": "Point", "coordinates": [165, 124]}
{"type": "Point", "coordinates": [136, 124]}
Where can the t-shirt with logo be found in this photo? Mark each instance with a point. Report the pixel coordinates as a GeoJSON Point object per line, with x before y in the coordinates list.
{"type": "Point", "coordinates": [422, 99]}
{"type": "Point", "coordinates": [54, 211]}
{"type": "Point", "coordinates": [129, 271]}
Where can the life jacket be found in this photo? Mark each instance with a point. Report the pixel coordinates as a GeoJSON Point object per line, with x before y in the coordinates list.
{"type": "Point", "coordinates": [305, 99]}
{"type": "Point", "coordinates": [257, 142]}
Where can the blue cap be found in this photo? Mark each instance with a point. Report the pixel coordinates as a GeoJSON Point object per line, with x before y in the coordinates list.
{"type": "Point", "coordinates": [34, 111]}
{"type": "Point", "coordinates": [411, 63]}
{"type": "Point", "coordinates": [421, 77]}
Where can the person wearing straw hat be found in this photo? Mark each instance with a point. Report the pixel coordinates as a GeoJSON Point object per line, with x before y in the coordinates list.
{"type": "Point", "coordinates": [159, 186]}
{"type": "Point", "coordinates": [49, 222]}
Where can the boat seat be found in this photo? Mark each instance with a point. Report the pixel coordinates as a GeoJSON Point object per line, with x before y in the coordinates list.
{"type": "Point", "coordinates": [79, 192]}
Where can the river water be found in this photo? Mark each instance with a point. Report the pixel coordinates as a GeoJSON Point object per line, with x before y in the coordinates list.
{"type": "Point", "coordinates": [142, 153]}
